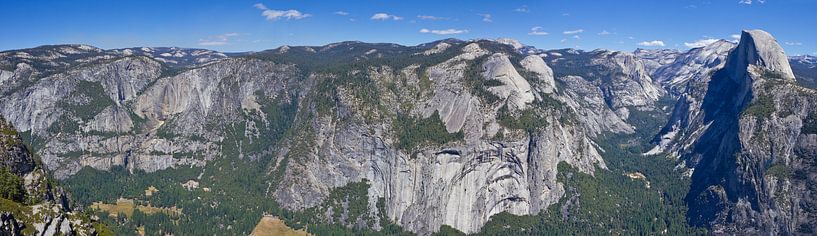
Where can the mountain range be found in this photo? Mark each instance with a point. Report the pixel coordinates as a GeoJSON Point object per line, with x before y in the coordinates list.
{"type": "Point", "coordinates": [447, 137]}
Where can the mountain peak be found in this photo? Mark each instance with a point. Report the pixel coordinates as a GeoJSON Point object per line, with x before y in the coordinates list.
{"type": "Point", "coordinates": [757, 47]}
{"type": "Point", "coordinates": [512, 42]}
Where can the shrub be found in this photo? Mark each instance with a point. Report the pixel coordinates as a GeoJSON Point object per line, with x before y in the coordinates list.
{"type": "Point", "coordinates": [11, 185]}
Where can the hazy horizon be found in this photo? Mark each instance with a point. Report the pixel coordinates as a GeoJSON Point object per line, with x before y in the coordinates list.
{"type": "Point", "coordinates": [242, 26]}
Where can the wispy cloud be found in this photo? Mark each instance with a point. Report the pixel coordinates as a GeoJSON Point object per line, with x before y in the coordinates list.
{"type": "Point", "coordinates": [654, 43]}
{"type": "Point", "coordinates": [217, 40]}
{"type": "Point", "coordinates": [537, 31]}
{"type": "Point", "coordinates": [341, 13]}
{"type": "Point", "coordinates": [486, 17]}
{"type": "Point", "coordinates": [427, 17]}
{"type": "Point", "coordinates": [604, 32]}
{"type": "Point", "coordinates": [735, 38]}
{"type": "Point", "coordinates": [385, 16]}
{"type": "Point", "coordinates": [444, 32]}
{"type": "Point", "coordinates": [569, 32]}
{"type": "Point", "coordinates": [273, 15]}
{"type": "Point", "coordinates": [794, 43]}
{"type": "Point", "coordinates": [565, 14]}
{"type": "Point", "coordinates": [523, 8]}
{"type": "Point", "coordinates": [700, 43]}
{"type": "Point", "coordinates": [749, 2]}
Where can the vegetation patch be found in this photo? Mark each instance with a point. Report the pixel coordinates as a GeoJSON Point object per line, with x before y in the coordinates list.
{"type": "Point", "coordinates": [527, 120]}
{"type": "Point", "coordinates": [476, 83]}
{"type": "Point", "coordinates": [95, 98]}
{"type": "Point", "coordinates": [809, 124]}
{"type": "Point", "coordinates": [762, 107]}
{"type": "Point", "coordinates": [413, 132]}
{"type": "Point", "coordinates": [11, 185]}
{"type": "Point", "coordinates": [778, 170]}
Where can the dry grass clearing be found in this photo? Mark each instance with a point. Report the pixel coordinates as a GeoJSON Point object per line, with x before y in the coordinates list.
{"type": "Point", "coordinates": [127, 206]}
{"type": "Point", "coordinates": [273, 226]}
{"type": "Point", "coordinates": [150, 191]}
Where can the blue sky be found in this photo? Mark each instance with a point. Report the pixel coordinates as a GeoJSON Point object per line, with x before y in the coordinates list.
{"type": "Point", "coordinates": [247, 26]}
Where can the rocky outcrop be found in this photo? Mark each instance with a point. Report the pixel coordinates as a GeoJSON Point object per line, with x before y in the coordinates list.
{"type": "Point", "coordinates": [515, 88]}
{"type": "Point", "coordinates": [40, 208]}
{"type": "Point", "coordinates": [537, 66]}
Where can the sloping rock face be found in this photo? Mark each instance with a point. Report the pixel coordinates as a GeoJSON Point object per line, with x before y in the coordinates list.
{"type": "Point", "coordinates": [657, 58]}
{"type": "Point", "coordinates": [694, 65]}
{"type": "Point", "coordinates": [328, 116]}
{"type": "Point", "coordinates": [747, 135]}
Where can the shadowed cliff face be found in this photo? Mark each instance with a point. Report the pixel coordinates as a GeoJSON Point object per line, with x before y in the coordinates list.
{"type": "Point", "coordinates": [741, 130]}
{"type": "Point", "coordinates": [713, 181]}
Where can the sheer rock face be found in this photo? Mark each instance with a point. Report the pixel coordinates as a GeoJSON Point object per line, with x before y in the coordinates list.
{"type": "Point", "coordinates": [461, 184]}
{"type": "Point", "coordinates": [745, 131]}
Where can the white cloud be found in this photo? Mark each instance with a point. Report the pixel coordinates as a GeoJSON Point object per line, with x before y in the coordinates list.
{"type": "Point", "coordinates": [563, 40]}
{"type": "Point", "coordinates": [212, 43]}
{"type": "Point", "coordinates": [654, 43]}
{"type": "Point", "coordinates": [578, 31]}
{"type": "Point", "coordinates": [604, 32]}
{"type": "Point", "coordinates": [385, 16]}
{"type": "Point", "coordinates": [794, 43]}
{"type": "Point", "coordinates": [273, 15]}
{"type": "Point", "coordinates": [427, 17]}
{"type": "Point", "coordinates": [444, 32]}
{"type": "Point", "coordinates": [565, 14]}
{"type": "Point", "coordinates": [537, 31]}
{"type": "Point", "coordinates": [749, 2]}
{"type": "Point", "coordinates": [342, 13]}
{"type": "Point", "coordinates": [486, 17]}
{"type": "Point", "coordinates": [217, 40]}
{"type": "Point", "coordinates": [523, 8]}
{"type": "Point", "coordinates": [735, 38]}
{"type": "Point", "coordinates": [700, 43]}
{"type": "Point", "coordinates": [576, 37]}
